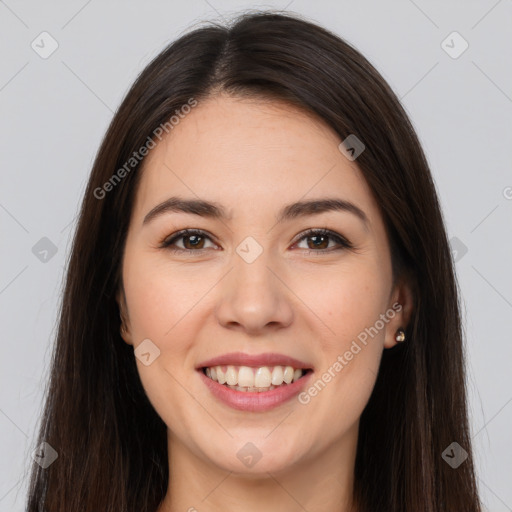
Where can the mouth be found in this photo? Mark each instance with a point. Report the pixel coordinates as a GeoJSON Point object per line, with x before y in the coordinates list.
{"type": "Point", "coordinates": [254, 388]}
{"type": "Point", "coordinates": [254, 379]}
{"type": "Point", "coordinates": [254, 382]}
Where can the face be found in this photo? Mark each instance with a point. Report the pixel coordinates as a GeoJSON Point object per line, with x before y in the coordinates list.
{"type": "Point", "coordinates": [254, 281]}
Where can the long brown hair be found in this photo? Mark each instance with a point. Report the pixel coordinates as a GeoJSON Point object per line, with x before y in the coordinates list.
{"type": "Point", "coordinates": [111, 443]}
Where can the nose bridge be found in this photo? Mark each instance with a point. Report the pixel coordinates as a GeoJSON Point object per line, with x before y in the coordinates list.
{"type": "Point", "coordinates": [253, 296]}
{"type": "Point", "coordinates": [253, 275]}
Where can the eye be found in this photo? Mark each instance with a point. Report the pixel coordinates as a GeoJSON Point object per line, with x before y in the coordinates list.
{"type": "Point", "coordinates": [319, 237]}
{"type": "Point", "coordinates": [195, 238]}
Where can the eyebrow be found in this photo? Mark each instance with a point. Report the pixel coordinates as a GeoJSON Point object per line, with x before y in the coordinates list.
{"type": "Point", "coordinates": [292, 211]}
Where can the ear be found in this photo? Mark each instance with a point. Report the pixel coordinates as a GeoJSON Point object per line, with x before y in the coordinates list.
{"type": "Point", "coordinates": [124, 328]}
{"type": "Point", "coordinates": [402, 304]}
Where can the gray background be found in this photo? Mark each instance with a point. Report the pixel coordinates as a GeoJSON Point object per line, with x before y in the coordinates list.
{"type": "Point", "coordinates": [54, 113]}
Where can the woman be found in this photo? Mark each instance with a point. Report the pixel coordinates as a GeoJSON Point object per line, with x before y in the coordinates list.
{"type": "Point", "coordinates": [260, 310]}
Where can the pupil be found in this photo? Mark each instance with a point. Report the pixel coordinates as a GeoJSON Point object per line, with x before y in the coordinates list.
{"type": "Point", "coordinates": [191, 237]}
{"type": "Point", "coordinates": [317, 237]}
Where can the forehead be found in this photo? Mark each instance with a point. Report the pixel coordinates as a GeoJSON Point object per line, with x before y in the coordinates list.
{"type": "Point", "coordinates": [251, 156]}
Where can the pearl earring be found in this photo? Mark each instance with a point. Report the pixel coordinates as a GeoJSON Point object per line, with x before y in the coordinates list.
{"type": "Point", "coordinates": [400, 336]}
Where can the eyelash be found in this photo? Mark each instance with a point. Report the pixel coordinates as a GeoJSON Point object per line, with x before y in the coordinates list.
{"type": "Point", "coordinates": [341, 241]}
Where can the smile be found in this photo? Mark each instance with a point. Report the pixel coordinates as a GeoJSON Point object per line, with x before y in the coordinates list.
{"type": "Point", "coordinates": [250, 379]}
{"type": "Point", "coordinates": [255, 398]}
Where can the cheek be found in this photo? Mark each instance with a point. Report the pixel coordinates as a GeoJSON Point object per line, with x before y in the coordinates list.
{"type": "Point", "coordinates": [350, 305]}
{"type": "Point", "coordinates": [348, 300]}
{"type": "Point", "coordinates": [159, 297]}
{"type": "Point", "coordinates": [161, 309]}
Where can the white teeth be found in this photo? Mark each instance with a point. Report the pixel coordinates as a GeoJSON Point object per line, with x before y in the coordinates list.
{"type": "Point", "coordinates": [262, 379]}
{"type": "Point", "coordinates": [221, 376]}
{"type": "Point", "coordinates": [277, 376]}
{"type": "Point", "coordinates": [288, 374]}
{"type": "Point", "coordinates": [246, 378]}
{"type": "Point", "coordinates": [231, 376]}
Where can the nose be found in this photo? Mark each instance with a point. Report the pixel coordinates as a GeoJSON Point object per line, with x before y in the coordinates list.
{"type": "Point", "coordinates": [254, 297]}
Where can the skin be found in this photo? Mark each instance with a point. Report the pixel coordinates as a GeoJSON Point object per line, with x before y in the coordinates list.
{"type": "Point", "coordinates": [253, 157]}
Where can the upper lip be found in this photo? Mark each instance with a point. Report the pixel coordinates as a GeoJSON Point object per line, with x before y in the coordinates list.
{"type": "Point", "coordinates": [266, 359]}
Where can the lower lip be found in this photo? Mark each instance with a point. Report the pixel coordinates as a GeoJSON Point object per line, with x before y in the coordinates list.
{"type": "Point", "coordinates": [255, 401]}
